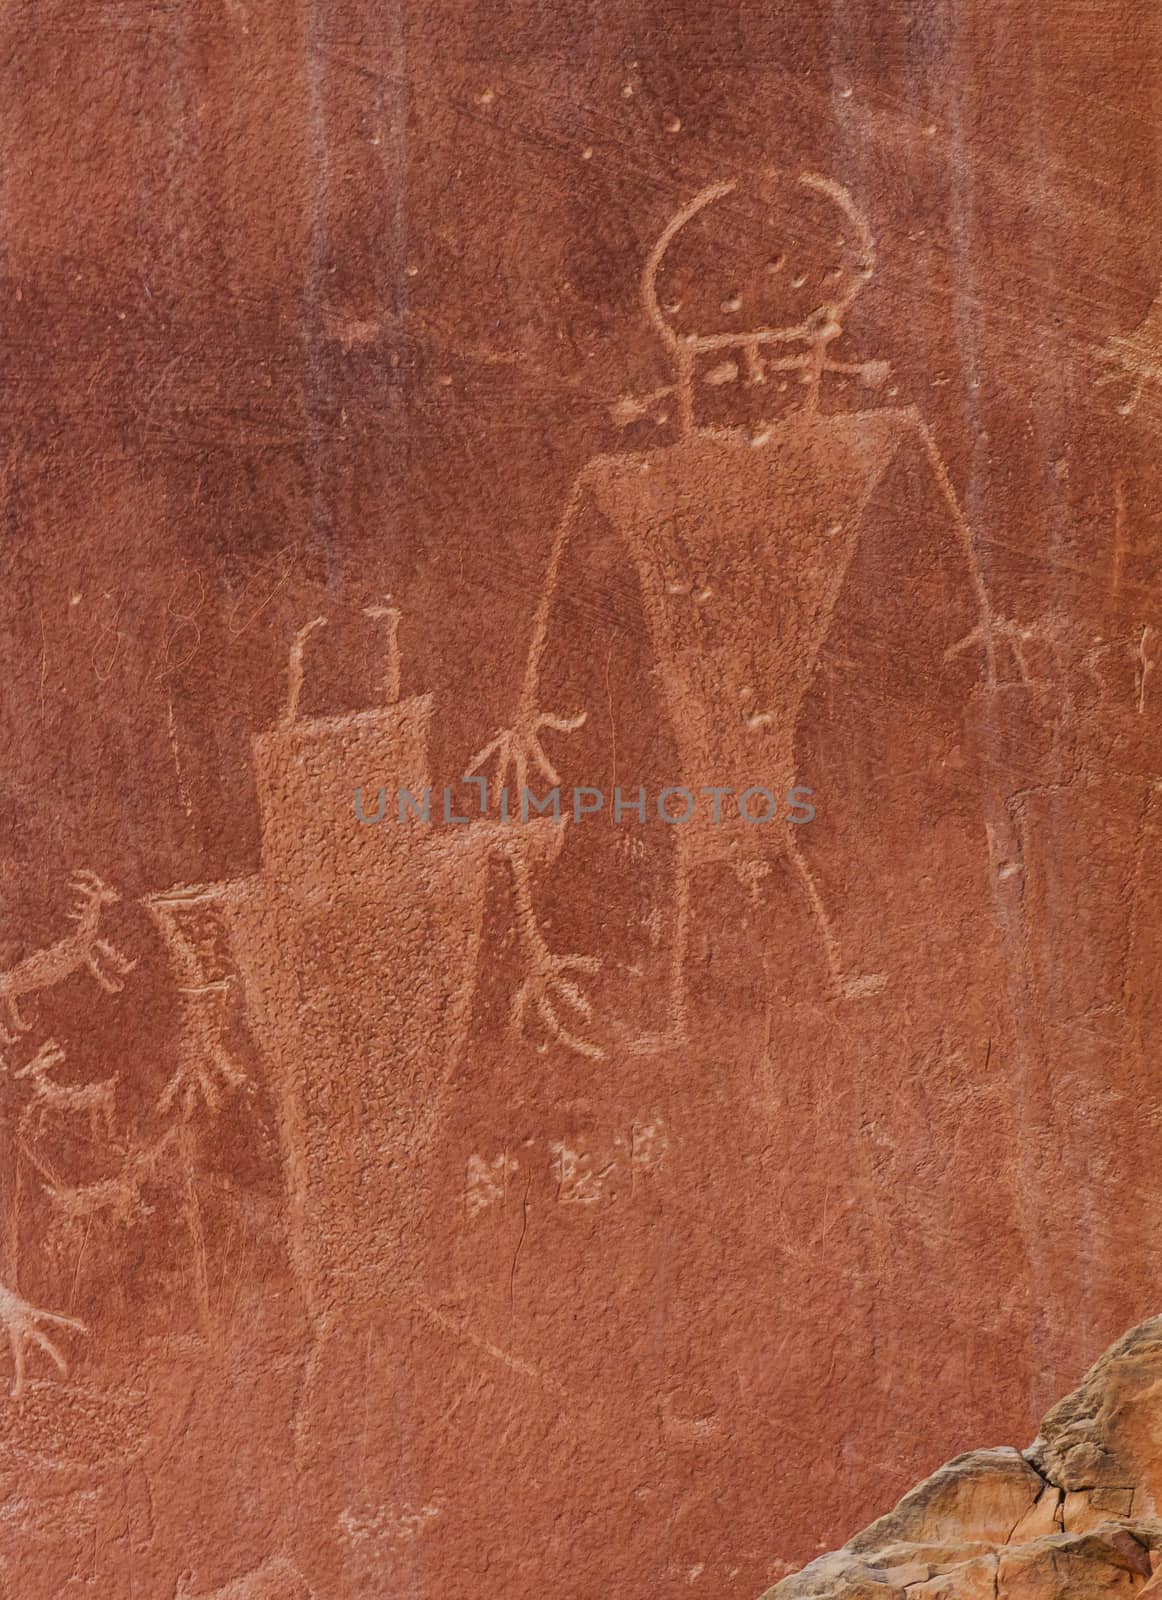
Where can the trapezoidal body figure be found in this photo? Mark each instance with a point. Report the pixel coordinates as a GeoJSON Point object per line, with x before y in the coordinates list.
{"type": "Point", "coordinates": [723, 553]}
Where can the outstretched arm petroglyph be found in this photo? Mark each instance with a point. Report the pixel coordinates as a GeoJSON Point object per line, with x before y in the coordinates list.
{"type": "Point", "coordinates": [517, 750]}
{"type": "Point", "coordinates": [989, 629]}
{"type": "Point", "coordinates": [518, 755]}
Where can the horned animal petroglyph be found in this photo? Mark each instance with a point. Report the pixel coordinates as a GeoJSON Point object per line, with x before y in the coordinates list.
{"type": "Point", "coordinates": [77, 951]}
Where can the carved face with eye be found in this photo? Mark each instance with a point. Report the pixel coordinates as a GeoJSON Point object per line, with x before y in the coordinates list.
{"type": "Point", "coordinates": [778, 261]}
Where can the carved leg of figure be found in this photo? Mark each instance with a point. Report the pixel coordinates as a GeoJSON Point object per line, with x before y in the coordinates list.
{"type": "Point", "coordinates": [228, 1069]}
{"type": "Point", "coordinates": [551, 982]}
{"type": "Point", "coordinates": [846, 986]}
{"type": "Point", "coordinates": [675, 1035]}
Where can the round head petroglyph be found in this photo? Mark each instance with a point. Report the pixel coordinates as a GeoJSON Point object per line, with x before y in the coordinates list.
{"type": "Point", "coordinates": [753, 278]}
{"type": "Point", "coordinates": [779, 261]}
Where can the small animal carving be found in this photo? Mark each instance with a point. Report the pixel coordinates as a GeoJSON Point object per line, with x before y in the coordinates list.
{"type": "Point", "coordinates": [97, 1101]}
{"type": "Point", "coordinates": [53, 963]}
{"type": "Point", "coordinates": [118, 1198]}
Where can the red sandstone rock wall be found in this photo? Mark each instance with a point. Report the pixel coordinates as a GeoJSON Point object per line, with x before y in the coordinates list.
{"type": "Point", "coordinates": [642, 397]}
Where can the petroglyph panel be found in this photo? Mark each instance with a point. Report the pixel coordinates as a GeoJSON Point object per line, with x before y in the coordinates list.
{"type": "Point", "coordinates": [580, 800]}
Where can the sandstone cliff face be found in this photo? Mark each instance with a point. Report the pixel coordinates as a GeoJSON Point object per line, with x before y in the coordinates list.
{"type": "Point", "coordinates": [701, 396]}
{"type": "Point", "coordinates": [1074, 1517]}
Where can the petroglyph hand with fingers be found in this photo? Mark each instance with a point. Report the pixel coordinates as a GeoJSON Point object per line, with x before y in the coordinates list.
{"type": "Point", "coordinates": [205, 1073]}
{"type": "Point", "coordinates": [517, 751]}
{"type": "Point", "coordinates": [551, 981]}
{"type": "Point", "coordinates": [550, 986]}
{"type": "Point", "coordinates": [22, 1323]}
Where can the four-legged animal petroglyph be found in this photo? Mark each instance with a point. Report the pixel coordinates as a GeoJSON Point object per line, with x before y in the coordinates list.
{"type": "Point", "coordinates": [50, 1099]}
{"type": "Point", "coordinates": [22, 1323]}
{"type": "Point", "coordinates": [119, 1198]}
{"type": "Point", "coordinates": [83, 949]}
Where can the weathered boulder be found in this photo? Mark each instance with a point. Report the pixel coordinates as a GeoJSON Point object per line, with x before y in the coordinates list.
{"type": "Point", "coordinates": [1073, 1517]}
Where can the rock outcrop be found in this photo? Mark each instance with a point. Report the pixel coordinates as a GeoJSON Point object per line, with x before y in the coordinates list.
{"type": "Point", "coordinates": [1073, 1517]}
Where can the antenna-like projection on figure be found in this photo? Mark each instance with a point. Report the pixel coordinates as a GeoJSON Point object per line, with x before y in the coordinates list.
{"type": "Point", "coordinates": [391, 671]}
{"type": "Point", "coordinates": [294, 673]}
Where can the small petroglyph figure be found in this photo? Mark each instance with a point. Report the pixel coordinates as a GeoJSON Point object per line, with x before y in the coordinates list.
{"type": "Point", "coordinates": [22, 1323]}
{"type": "Point", "coordinates": [118, 1198]}
{"type": "Point", "coordinates": [190, 921]}
{"type": "Point", "coordinates": [578, 1182]}
{"type": "Point", "coordinates": [82, 949]}
{"type": "Point", "coordinates": [581, 1176]}
{"type": "Point", "coordinates": [730, 546]}
{"type": "Point", "coordinates": [387, 1524]}
{"type": "Point", "coordinates": [50, 1099]}
{"type": "Point", "coordinates": [649, 1143]}
{"type": "Point", "coordinates": [685, 1421]}
{"type": "Point", "coordinates": [487, 1182]}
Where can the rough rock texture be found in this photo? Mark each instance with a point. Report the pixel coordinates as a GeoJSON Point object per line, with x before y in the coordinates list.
{"type": "Point", "coordinates": [1075, 1517]}
{"type": "Point", "coordinates": [765, 394]}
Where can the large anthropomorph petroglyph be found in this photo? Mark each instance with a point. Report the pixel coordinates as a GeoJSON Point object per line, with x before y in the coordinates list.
{"type": "Point", "coordinates": [691, 587]}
